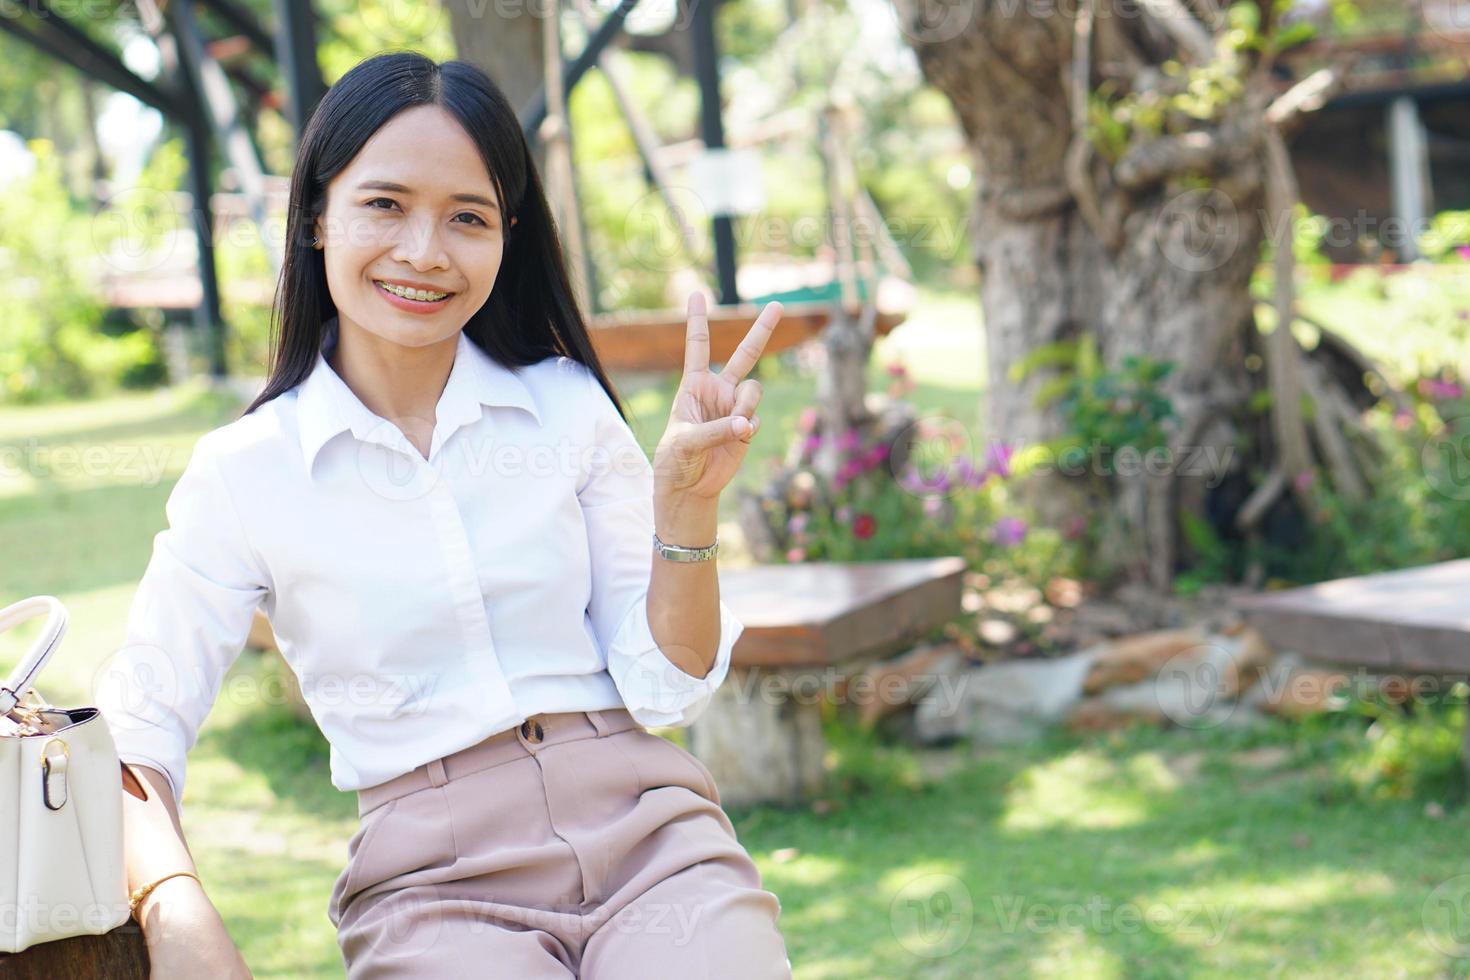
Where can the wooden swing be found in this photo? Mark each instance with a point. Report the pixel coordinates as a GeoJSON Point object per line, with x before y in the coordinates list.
{"type": "Point", "coordinates": [653, 340]}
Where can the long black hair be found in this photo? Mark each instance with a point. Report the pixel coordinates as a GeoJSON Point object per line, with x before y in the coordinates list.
{"type": "Point", "coordinates": [531, 313]}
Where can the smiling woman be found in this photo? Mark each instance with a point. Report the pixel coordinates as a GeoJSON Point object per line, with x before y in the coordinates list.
{"type": "Point", "coordinates": [403, 212]}
{"type": "Point", "coordinates": [484, 587]}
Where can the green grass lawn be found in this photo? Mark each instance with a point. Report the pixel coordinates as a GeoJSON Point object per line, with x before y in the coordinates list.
{"type": "Point", "coordinates": [1139, 855]}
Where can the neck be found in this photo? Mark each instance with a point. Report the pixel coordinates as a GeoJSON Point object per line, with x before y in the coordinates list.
{"type": "Point", "coordinates": [397, 383]}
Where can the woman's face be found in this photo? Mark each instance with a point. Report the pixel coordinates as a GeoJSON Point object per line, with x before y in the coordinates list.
{"type": "Point", "coordinates": [415, 210]}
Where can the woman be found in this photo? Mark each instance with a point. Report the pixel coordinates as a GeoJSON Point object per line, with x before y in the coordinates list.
{"type": "Point", "coordinates": [484, 588]}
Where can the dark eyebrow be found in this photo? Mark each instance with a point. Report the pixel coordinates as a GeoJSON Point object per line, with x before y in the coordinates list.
{"type": "Point", "coordinates": [388, 185]}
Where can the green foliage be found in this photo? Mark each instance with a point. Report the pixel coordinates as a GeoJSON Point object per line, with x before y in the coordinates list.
{"type": "Point", "coordinates": [1192, 94]}
{"type": "Point", "coordinates": [1412, 746]}
{"type": "Point", "coordinates": [1103, 407]}
{"type": "Point", "coordinates": [1448, 238]}
{"type": "Point", "coordinates": [1417, 515]}
{"type": "Point", "coordinates": [865, 762]}
{"type": "Point", "coordinates": [1416, 756]}
{"type": "Point", "coordinates": [50, 345]}
{"type": "Point", "coordinates": [1213, 561]}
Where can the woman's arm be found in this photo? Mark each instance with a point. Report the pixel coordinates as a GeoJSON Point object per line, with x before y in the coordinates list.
{"type": "Point", "coordinates": [186, 935]}
{"type": "Point", "coordinates": [684, 596]}
{"type": "Point", "coordinates": [711, 423]}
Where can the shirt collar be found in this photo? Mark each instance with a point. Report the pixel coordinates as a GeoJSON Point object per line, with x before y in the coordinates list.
{"type": "Point", "coordinates": [325, 406]}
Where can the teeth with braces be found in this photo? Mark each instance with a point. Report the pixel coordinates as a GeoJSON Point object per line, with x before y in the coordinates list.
{"type": "Point", "coordinates": [422, 295]}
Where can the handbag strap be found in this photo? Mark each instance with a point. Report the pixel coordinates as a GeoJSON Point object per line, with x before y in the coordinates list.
{"type": "Point", "coordinates": [24, 675]}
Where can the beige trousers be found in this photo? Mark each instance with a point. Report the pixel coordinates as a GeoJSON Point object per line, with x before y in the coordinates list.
{"type": "Point", "coordinates": [575, 845]}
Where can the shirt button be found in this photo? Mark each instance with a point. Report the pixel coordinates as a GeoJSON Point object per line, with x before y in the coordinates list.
{"type": "Point", "coordinates": [532, 730]}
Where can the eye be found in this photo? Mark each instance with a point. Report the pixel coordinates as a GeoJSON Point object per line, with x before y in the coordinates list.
{"type": "Point", "coordinates": [476, 217]}
{"type": "Point", "coordinates": [377, 199]}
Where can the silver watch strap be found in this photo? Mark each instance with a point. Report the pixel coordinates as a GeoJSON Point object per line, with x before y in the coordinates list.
{"type": "Point", "coordinates": [674, 552]}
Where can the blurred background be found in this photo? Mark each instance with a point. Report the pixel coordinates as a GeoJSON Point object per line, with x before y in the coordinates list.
{"type": "Point", "coordinates": [1102, 550]}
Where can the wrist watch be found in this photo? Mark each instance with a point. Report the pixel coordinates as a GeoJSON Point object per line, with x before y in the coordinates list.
{"type": "Point", "coordinates": [674, 552]}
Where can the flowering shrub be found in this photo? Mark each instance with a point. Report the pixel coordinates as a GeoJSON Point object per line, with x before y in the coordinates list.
{"type": "Point", "coordinates": [908, 489]}
{"type": "Point", "coordinates": [1420, 513]}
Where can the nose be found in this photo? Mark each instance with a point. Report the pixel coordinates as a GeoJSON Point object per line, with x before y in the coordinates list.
{"type": "Point", "coordinates": [420, 247]}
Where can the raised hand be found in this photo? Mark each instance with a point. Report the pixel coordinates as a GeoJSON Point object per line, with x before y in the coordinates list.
{"type": "Point", "coordinates": [713, 416]}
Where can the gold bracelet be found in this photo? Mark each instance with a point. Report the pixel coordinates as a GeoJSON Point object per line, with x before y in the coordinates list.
{"type": "Point", "coordinates": [143, 891]}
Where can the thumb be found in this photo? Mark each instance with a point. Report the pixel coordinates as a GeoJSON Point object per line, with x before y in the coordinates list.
{"type": "Point", "coordinates": [708, 435]}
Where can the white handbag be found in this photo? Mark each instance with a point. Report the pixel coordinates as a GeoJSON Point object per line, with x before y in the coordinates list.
{"type": "Point", "coordinates": [62, 869]}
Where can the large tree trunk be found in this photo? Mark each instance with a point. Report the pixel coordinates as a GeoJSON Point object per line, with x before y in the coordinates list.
{"type": "Point", "coordinates": [507, 44]}
{"type": "Point", "coordinates": [1142, 253]}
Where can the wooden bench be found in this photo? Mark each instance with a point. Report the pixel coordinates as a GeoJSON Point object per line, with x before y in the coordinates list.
{"type": "Point", "coordinates": [806, 626]}
{"type": "Point", "coordinates": [121, 954]}
{"type": "Point", "coordinates": [1412, 621]}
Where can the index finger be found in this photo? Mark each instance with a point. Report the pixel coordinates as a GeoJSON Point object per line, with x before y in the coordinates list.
{"type": "Point", "coordinates": [696, 336]}
{"type": "Point", "coordinates": [754, 344]}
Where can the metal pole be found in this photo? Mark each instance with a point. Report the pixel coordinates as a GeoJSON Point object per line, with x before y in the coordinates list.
{"type": "Point", "coordinates": [712, 130]}
{"type": "Point", "coordinates": [296, 53]}
{"type": "Point", "coordinates": [209, 318]}
{"type": "Point", "coordinates": [1407, 166]}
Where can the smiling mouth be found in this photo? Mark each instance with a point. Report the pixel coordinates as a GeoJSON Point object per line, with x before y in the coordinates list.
{"type": "Point", "coordinates": [416, 295]}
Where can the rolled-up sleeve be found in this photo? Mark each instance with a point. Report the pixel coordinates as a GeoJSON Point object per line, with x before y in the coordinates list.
{"type": "Point", "coordinates": [617, 502]}
{"type": "Point", "coordinates": [189, 620]}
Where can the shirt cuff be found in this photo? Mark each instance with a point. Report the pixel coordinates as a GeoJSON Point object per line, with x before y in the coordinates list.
{"type": "Point", "coordinates": [655, 690]}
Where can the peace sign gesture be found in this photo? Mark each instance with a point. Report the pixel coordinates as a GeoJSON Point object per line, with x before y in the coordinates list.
{"type": "Point", "coordinates": [713, 417]}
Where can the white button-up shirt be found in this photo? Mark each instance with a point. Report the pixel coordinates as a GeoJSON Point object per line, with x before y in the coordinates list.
{"type": "Point", "coordinates": [424, 604]}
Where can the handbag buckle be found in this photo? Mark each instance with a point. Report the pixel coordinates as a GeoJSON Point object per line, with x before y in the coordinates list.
{"type": "Point", "coordinates": [49, 773]}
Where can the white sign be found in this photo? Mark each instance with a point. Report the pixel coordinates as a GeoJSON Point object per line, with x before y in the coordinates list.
{"type": "Point", "coordinates": [729, 181]}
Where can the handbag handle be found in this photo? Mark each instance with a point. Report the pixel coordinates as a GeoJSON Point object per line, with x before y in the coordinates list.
{"type": "Point", "coordinates": [24, 675]}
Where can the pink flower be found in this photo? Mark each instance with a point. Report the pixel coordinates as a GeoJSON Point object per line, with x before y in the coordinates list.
{"type": "Point", "coordinates": [864, 525]}
{"type": "Point", "coordinates": [850, 440]}
{"type": "Point", "coordinates": [1440, 390]}
{"type": "Point", "coordinates": [1464, 251]}
{"type": "Point", "coordinates": [808, 419]}
{"type": "Point", "coordinates": [998, 458]}
{"type": "Point", "coordinates": [1009, 531]}
{"type": "Point", "coordinates": [897, 370]}
{"type": "Point", "coordinates": [967, 475]}
{"type": "Point", "coordinates": [843, 514]}
{"type": "Point", "coordinates": [796, 554]}
{"type": "Point", "coordinates": [1303, 480]}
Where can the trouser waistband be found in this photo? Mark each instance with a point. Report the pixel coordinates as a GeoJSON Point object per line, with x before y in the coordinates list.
{"type": "Point", "coordinates": [535, 733]}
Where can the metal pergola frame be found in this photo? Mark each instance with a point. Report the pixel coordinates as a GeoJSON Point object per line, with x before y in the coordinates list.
{"type": "Point", "coordinates": [195, 92]}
